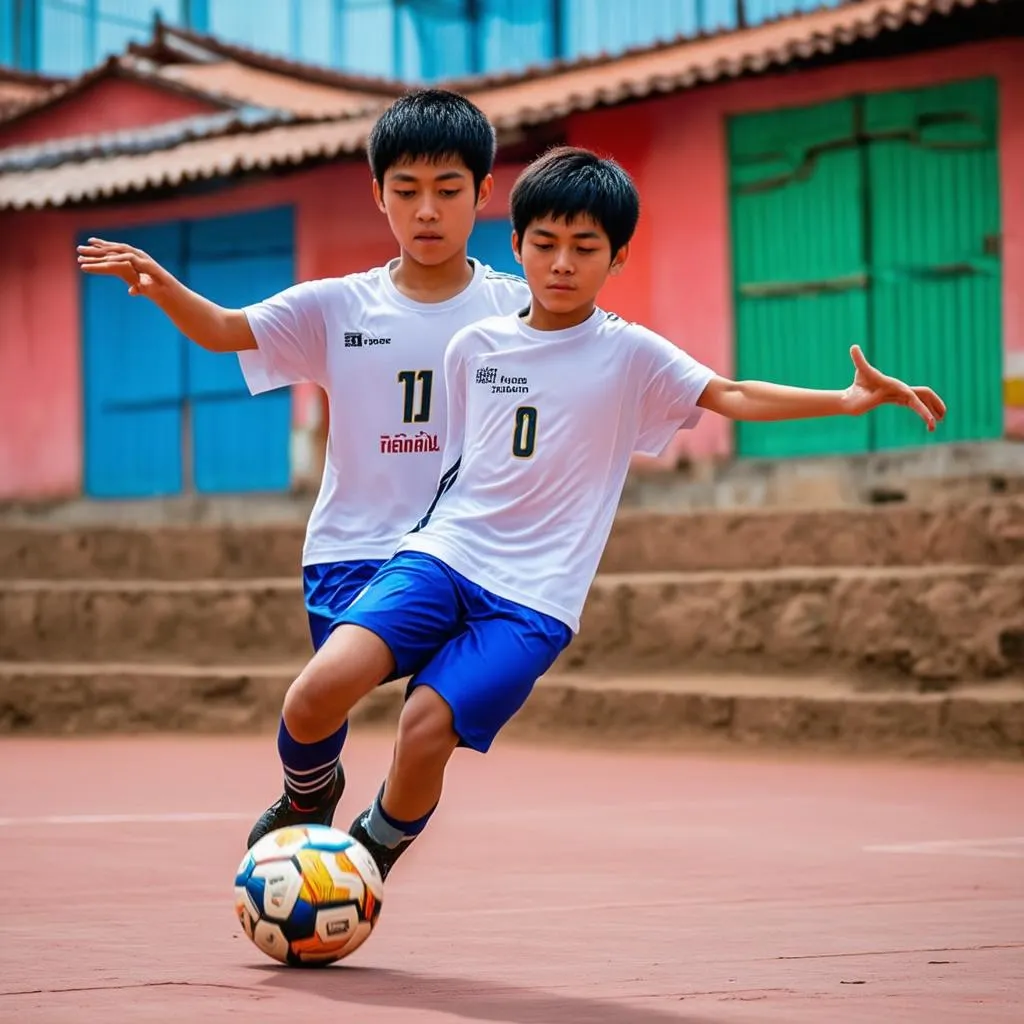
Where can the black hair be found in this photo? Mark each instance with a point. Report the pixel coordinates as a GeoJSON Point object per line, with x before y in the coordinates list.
{"type": "Point", "coordinates": [568, 182]}
{"type": "Point", "coordinates": [432, 124]}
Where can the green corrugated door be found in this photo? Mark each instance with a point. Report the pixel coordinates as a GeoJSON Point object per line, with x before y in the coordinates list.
{"type": "Point", "coordinates": [872, 220]}
{"type": "Point", "coordinates": [799, 265]}
{"type": "Point", "coordinates": [934, 234]}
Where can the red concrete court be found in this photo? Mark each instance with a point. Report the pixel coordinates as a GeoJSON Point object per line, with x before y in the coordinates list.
{"type": "Point", "coordinates": [556, 887]}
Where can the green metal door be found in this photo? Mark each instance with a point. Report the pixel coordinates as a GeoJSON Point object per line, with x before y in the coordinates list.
{"type": "Point", "coordinates": [933, 182]}
{"type": "Point", "coordinates": [872, 220]}
{"type": "Point", "coordinates": [799, 265]}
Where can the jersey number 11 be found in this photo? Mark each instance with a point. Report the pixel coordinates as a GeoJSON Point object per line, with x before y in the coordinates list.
{"type": "Point", "coordinates": [408, 379]}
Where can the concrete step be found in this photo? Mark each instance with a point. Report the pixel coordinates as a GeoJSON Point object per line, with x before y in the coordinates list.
{"type": "Point", "coordinates": [921, 627]}
{"type": "Point", "coordinates": [989, 532]}
{"type": "Point", "coordinates": [986, 532]}
{"type": "Point", "coordinates": [672, 711]}
{"type": "Point", "coordinates": [917, 627]}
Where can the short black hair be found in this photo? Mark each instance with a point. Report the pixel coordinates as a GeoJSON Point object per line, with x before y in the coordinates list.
{"type": "Point", "coordinates": [568, 182]}
{"type": "Point", "coordinates": [432, 124]}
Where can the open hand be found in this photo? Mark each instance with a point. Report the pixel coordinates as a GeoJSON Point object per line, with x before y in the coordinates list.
{"type": "Point", "coordinates": [872, 388]}
{"type": "Point", "coordinates": [137, 269]}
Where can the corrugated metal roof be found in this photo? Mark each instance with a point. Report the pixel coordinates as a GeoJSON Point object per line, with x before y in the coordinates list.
{"type": "Point", "coordinates": [532, 99]}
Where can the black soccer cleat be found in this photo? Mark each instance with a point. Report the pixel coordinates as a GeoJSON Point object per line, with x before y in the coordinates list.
{"type": "Point", "coordinates": [384, 856]}
{"type": "Point", "coordinates": [284, 814]}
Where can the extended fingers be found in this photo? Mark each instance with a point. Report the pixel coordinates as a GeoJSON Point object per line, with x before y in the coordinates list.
{"type": "Point", "coordinates": [932, 400]}
{"type": "Point", "coordinates": [859, 359]}
{"type": "Point", "coordinates": [124, 265]}
{"type": "Point", "coordinates": [116, 259]}
{"type": "Point", "coordinates": [101, 247]}
{"type": "Point", "coordinates": [914, 403]}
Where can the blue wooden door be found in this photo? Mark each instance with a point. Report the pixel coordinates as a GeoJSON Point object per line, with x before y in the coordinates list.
{"type": "Point", "coordinates": [133, 379]}
{"type": "Point", "coordinates": [162, 415]}
{"type": "Point", "coordinates": [491, 243]}
{"type": "Point", "coordinates": [238, 443]}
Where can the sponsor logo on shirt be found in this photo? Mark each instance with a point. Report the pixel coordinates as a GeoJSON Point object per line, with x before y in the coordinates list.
{"type": "Point", "coordinates": [500, 383]}
{"type": "Point", "coordinates": [356, 339]}
{"type": "Point", "coordinates": [406, 444]}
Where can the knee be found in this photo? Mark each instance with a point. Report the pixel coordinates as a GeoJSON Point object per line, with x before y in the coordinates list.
{"type": "Point", "coordinates": [426, 731]}
{"type": "Point", "coordinates": [304, 706]}
{"type": "Point", "coordinates": [350, 664]}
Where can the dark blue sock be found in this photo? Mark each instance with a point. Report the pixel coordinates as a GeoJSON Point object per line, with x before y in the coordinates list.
{"type": "Point", "coordinates": [388, 830]}
{"type": "Point", "coordinates": [309, 768]}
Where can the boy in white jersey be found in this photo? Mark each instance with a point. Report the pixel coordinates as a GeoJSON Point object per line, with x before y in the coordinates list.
{"type": "Point", "coordinates": [544, 412]}
{"type": "Point", "coordinates": [375, 343]}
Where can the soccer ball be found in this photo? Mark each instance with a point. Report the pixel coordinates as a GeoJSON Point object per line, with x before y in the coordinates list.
{"type": "Point", "coordinates": [309, 895]}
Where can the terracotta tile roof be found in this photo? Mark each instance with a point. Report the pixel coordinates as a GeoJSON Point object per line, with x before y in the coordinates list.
{"type": "Point", "coordinates": [36, 156]}
{"type": "Point", "coordinates": [18, 88]}
{"type": "Point", "coordinates": [118, 67]}
{"type": "Point", "coordinates": [272, 90]}
{"type": "Point", "coordinates": [531, 99]}
{"type": "Point", "coordinates": [171, 45]}
{"type": "Point", "coordinates": [548, 94]}
{"type": "Point", "coordinates": [220, 156]}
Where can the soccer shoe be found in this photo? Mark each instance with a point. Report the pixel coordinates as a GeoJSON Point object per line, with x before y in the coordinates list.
{"type": "Point", "coordinates": [384, 856]}
{"type": "Point", "coordinates": [285, 814]}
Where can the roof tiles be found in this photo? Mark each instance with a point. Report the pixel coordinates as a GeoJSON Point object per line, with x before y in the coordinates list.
{"type": "Point", "coordinates": [512, 102]}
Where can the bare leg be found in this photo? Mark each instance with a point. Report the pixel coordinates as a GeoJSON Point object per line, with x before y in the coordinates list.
{"type": "Point", "coordinates": [350, 664]}
{"type": "Point", "coordinates": [426, 740]}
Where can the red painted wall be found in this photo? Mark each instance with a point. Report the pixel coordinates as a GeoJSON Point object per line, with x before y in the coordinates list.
{"type": "Point", "coordinates": [338, 230]}
{"type": "Point", "coordinates": [679, 278]}
{"type": "Point", "coordinates": [106, 106]}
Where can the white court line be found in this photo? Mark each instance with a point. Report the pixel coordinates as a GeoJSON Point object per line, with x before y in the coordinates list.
{"type": "Point", "coordinates": [1009, 846]}
{"type": "Point", "coordinates": [184, 817]}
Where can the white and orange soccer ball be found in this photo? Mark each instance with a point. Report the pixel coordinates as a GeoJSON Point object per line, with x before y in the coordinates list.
{"type": "Point", "coordinates": [309, 895]}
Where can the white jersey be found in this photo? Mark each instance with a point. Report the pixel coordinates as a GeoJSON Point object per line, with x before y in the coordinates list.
{"type": "Point", "coordinates": [542, 425]}
{"type": "Point", "coordinates": [380, 358]}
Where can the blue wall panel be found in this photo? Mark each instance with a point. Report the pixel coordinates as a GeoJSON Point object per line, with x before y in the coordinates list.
{"type": "Point", "coordinates": [491, 243]}
{"type": "Point", "coordinates": [133, 377]}
{"type": "Point", "coordinates": [163, 415]}
{"type": "Point", "coordinates": [239, 443]}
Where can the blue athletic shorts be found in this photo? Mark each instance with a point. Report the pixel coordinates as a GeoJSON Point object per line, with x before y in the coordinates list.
{"type": "Point", "coordinates": [480, 653]}
{"type": "Point", "coordinates": [329, 589]}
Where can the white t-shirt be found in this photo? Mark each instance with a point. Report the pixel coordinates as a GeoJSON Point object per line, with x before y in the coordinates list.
{"type": "Point", "coordinates": [380, 358]}
{"type": "Point", "coordinates": [541, 427]}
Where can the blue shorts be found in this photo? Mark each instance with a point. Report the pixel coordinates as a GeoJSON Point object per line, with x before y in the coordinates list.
{"type": "Point", "coordinates": [480, 653]}
{"type": "Point", "coordinates": [329, 589]}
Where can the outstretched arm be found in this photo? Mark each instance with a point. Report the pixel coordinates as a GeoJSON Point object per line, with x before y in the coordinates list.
{"type": "Point", "coordinates": [760, 400]}
{"type": "Point", "coordinates": [211, 326]}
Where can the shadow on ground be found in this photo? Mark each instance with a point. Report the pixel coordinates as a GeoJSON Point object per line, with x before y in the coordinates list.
{"type": "Point", "coordinates": [470, 999]}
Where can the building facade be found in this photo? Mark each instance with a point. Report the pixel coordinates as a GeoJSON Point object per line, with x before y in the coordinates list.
{"type": "Point", "coordinates": [869, 198]}
{"type": "Point", "coordinates": [412, 40]}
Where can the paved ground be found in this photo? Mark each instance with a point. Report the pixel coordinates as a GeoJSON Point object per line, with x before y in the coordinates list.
{"type": "Point", "coordinates": [555, 887]}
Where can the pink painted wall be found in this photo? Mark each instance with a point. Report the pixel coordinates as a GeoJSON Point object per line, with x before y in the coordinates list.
{"type": "Point", "coordinates": [338, 230]}
{"type": "Point", "coordinates": [679, 279]}
{"type": "Point", "coordinates": [40, 451]}
{"type": "Point", "coordinates": [109, 105]}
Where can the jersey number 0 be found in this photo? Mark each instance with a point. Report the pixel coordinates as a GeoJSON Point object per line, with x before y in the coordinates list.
{"type": "Point", "coordinates": [524, 433]}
